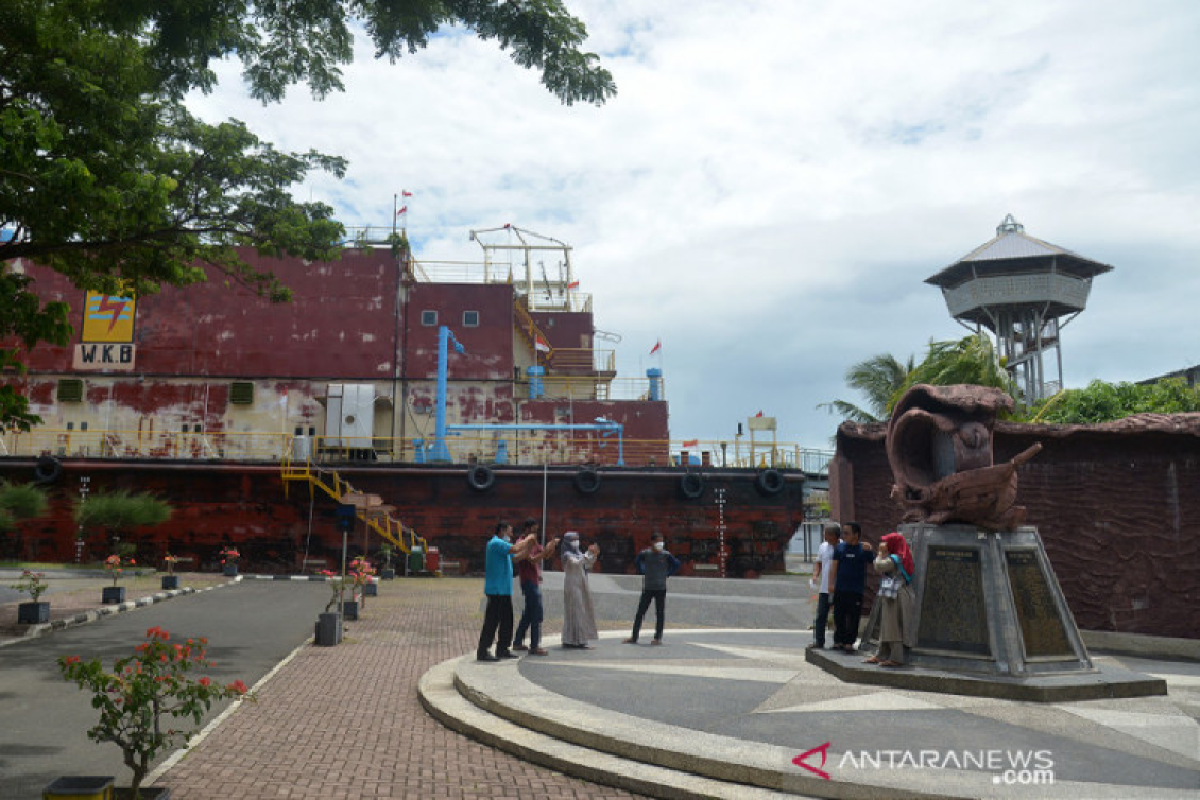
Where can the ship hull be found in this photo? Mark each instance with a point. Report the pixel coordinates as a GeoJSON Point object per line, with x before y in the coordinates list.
{"type": "Point", "coordinates": [733, 528]}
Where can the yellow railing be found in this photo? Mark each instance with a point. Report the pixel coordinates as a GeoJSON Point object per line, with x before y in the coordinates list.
{"type": "Point", "coordinates": [331, 483]}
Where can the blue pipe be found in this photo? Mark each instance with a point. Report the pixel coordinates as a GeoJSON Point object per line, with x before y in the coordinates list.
{"type": "Point", "coordinates": [438, 453]}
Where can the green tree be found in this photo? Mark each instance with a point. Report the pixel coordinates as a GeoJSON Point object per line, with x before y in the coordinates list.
{"type": "Point", "coordinates": [971, 360]}
{"type": "Point", "coordinates": [1105, 402]}
{"type": "Point", "coordinates": [19, 501]}
{"type": "Point", "coordinates": [107, 179]}
{"type": "Point", "coordinates": [884, 380]}
{"type": "Point", "coordinates": [880, 377]}
{"type": "Point", "coordinates": [119, 511]}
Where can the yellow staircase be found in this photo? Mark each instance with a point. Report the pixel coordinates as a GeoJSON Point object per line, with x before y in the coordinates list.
{"type": "Point", "coordinates": [332, 484]}
{"type": "Point", "coordinates": [528, 327]}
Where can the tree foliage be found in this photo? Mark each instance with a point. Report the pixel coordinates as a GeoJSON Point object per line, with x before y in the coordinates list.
{"type": "Point", "coordinates": [20, 501]}
{"type": "Point", "coordinates": [884, 380]}
{"type": "Point", "coordinates": [1105, 402]}
{"type": "Point", "coordinates": [120, 511]}
{"type": "Point", "coordinates": [107, 179]}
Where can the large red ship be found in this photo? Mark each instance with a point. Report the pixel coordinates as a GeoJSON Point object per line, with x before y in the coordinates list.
{"type": "Point", "coordinates": [435, 398]}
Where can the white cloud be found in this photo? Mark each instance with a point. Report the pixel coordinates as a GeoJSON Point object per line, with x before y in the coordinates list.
{"type": "Point", "coordinates": [775, 180]}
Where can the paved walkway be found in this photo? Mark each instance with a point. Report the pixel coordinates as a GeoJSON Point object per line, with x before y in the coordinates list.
{"type": "Point", "coordinates": [347, 722]}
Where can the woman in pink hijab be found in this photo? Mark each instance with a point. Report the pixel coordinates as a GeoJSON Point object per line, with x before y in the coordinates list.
{"type": "Point", "coordinates": [895, 563]}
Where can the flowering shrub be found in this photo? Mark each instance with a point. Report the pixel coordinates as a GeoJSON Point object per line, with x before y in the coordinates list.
{"type": "Point", "coordinates": [230, 555]}
{"type": "Point", "coordinates": [170, 559]}
{"type": "Point", "coordinates": [32, 582]}
{"type": "Point", "coordinates": [142, 689]}
{"type": "Point", "coordinates": [336, 584]}
{"type": "Point", "coordinates": [360, 571]}
{"type": "Point", "coordinates": [115, 565]}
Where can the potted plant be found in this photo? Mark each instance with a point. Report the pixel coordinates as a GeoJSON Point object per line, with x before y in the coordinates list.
{"type": "Point", "coordinates": [143, 689]}
{"type": "Point", "coordinates": [170, 580]}
{"type": "Point", "coordinates": [33, 612]}
{"type": "Point", "coordinates": [229, 559]}
{"type": "Point", "coordinates": [329, 623]}
{"type": "Point", "coordinates": [386, 550]}
{"type": "Point", "coordinates": [114, 565]}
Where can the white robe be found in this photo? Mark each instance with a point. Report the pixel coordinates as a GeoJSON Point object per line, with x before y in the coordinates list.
{"type": "Point", "coordinates": [579, 620]}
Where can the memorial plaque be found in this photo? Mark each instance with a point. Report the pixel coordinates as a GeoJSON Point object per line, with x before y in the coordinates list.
{"type": "Point", "coordinates": [953, 615]}
{"type": "Point", "coordinates": [1041, 624]}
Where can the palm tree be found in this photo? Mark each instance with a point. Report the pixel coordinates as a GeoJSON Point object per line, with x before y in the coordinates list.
{"type": "Point", "coordinates": [881, 378]}
{"type": "Point", "coordinates": [972, 360]}
{"type": "Point", "coordinates": [884, 380]}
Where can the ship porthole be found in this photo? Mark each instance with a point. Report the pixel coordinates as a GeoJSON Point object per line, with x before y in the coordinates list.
{"type": "Point", "coordinates": [47, 470]}
{"type": "Point", "coordinates": [769, 482]}
{"type": "Point", "coordinates": [481, 478]}
{"type": "Point", "coordinates": [692, 485]}
{"type": "Point", "coordinates": [587, 480]}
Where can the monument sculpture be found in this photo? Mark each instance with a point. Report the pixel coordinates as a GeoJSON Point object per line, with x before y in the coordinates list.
{"type": "Point", "coordinates": [991, 618]}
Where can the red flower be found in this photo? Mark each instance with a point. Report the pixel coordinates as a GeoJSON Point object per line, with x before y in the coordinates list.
{"type": "Point", "coordinates": [204, 681]}
{"type": "Point", "coordinates": [237, 686]}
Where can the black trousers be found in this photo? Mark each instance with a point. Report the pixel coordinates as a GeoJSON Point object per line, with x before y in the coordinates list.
{"type": "Point", "coordinates": [847, 612]}
{"type": "Point", "coordinates": [660, 601]}
{"type": "Point", "coordinates": [498, 615]}
{"type": "Point", "coordinates": [822, 618]}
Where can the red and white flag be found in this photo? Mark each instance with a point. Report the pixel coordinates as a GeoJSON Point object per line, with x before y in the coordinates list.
{"type": "Point", "coordinates": [403, 210]}
{"type": "Point", "coordinates": [691, 443]}
{"type": "Point", "coordinates": [657, 347]}
{"type": "Point", "coordinates": [405, 193]}
{"type": "Point", "coordinates": [573, 285]}
{"type": "Point", "coordinates": [540, 343]}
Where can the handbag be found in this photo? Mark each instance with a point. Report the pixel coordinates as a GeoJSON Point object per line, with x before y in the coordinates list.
{"type": "Point", "coordinates": [890, 585]}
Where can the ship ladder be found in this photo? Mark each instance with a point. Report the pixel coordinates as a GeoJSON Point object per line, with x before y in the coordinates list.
{"type": "Point", "coordinates": [333, 485]}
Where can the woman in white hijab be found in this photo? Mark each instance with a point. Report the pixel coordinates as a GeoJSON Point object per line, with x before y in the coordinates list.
{"type": "Point", "coordinates": [579, 620]}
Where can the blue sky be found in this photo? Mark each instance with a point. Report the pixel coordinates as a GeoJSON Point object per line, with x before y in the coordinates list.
{"type": "Point", "coordinates": [775, 180]}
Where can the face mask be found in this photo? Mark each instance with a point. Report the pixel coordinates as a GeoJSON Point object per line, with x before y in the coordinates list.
{"type": "Point", "coordinates": [658, 547]}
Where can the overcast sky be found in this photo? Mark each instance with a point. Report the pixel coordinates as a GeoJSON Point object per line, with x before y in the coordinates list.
{"type": "Point", "coordinates": [774, 180]}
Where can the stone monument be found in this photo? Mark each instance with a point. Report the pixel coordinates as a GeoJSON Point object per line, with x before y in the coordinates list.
{"type": "Point", "coordinates": [990, 616]}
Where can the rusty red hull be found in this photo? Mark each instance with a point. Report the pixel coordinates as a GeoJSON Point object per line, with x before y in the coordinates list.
{"type": "Point", "coordinates": [220, 504]}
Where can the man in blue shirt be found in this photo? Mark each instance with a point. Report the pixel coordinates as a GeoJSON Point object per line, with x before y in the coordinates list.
{"type": "Point", "coordinates": [497, 586]}
{"type": "Point", "coordinates": [655, 565]}
{"type": "Point", "coordinates": [847, 576]}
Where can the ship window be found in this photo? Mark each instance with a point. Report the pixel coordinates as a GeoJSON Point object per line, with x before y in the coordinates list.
{"type": "Point", "coordinates": [70, 426]}
{"type": "Point", "coordinates": [70, 390]}
{"type": "Point", "coordinates": [197, 428]}
{"type": "Point", "coordinates": [241, 392]}
{"type": "Point", "coordinates": [429, 318]}
{"type": "Point", "coordinates": [83, 426]}
{"type": "Point", "coordinates": [470, 319]}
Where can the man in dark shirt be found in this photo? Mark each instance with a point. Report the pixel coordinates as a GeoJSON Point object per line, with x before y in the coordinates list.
{"type": "Point", "coordinates": [655, 565]}
{"type": "Point", "coordinates": [529, 573]}
{"type": "Point", "coordinates": [847, 576]}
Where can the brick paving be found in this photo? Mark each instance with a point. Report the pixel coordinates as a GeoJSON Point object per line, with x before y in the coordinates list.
{"type": "Point", "coordinates": [345, 722]}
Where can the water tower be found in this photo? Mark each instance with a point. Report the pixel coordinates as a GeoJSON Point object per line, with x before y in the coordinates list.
{"type": "Point", "coordinates": [1024, 291]}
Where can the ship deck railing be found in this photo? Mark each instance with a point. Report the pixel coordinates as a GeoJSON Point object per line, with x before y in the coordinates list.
{"type": "Point", "coordinates": [500, 447]}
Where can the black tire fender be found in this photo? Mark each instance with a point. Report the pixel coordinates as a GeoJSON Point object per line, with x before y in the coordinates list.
{"type": "Point", "coordinates": [481, 478]}
{"type": "Point", "coordinates": [47, 470]}
{"type": "Point", "coordinates": [769, 482]}
{"type": "Point", "coordinates": [587, 480]}
{"type": "Point", "coordinates": [692, 485]}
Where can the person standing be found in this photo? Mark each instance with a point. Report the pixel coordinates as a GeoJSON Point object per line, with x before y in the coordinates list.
{"type": "Point", "coordinates": [655, 565]}
{"type": "Point", "coordinates": [896, 601]}
{"type": "Point", "coordinates": [497, 587]}
{"type": "Point", "coordinates": [848, 574]}
{"type": "Point", "coordinates": [821, 575]}
{"type": "Point", "coordinates": [529, 575]}
{"type": "Point", "coordinates": [579, 619]}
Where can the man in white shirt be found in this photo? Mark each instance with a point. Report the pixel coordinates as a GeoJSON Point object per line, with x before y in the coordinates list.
{"type": "Point", "coordinates": [820, 580]}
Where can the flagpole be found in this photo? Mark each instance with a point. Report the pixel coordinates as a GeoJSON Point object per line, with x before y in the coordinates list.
{"type": "Point", "coordinates": [395, 206]}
